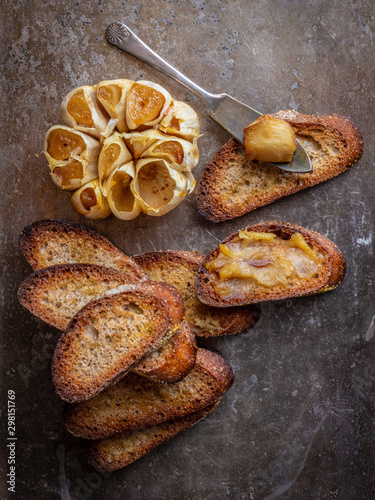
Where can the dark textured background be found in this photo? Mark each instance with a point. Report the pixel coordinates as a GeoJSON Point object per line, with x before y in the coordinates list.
{"type": "Point", "coordinates": [299, 420]}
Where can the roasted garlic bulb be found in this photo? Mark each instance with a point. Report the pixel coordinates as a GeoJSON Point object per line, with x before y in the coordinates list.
{"type": "Point", "coordinates": [126, 147]}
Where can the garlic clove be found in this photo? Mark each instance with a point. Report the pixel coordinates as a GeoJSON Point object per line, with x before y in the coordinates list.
{"type": "Point", "coordinates": [181, 120]}
{"type": "Point", "coordinates": [81, 110]}
{"type": "Point", "coordinates": [158, 187]}
{"type": "Point", "coordinates": [181, 154]}
{"type": "Point", "coordinates": [270, 139]}
{"type": "Point", "coordinates": [90, 202]}
{"type": "Point", "coordinates": [121, 199]}
{"type": "Point", "coordinates": [63, 143]}
{"type": "Point", "coordinates": [113, 154]}
{"type": "Point", "coordinates": [74, 174]}
{"type": "Point", "coordinates": [146, 104]}
{"type": "Point", "coordinates": [112, 96]}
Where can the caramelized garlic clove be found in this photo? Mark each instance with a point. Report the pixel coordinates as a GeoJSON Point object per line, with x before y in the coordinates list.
{"type": "Point", "coordinates": [81, 110]}
{"type": "Point", "coordinates": [120, 197]}
{"type": "Point", "coordinates": [62, 144]}
{"type": "Point", "coordinates": [90, 202]}
{"type": "Point", "coordinates": [270, 139]}
{"type": "Point", "coordinates": [146, 104]}
{"type": "Point", "coordinates": [181, 120]}
{"type": "Point", "coordinates": [182, 154]}
{"type": "Point", "coordinates": [74, 174]}
{"type": "Point", "coordinates": [158, 187]}
{"type": "Point", "coordinates": [112, 96]}
{"type": "Point", "coordinates": [113, 154]}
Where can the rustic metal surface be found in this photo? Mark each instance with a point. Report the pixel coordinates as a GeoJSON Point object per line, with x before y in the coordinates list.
{"type": "Point", "coordinates": [299, 420]}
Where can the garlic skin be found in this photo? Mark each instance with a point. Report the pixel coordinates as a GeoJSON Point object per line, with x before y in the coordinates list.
{"type": "Point", "coordinates": [90, 202]}
{"type": "Point", "coordinates": [120, 196]}
{"type": "Point", "coordinates": [158, 187]}
{"type": "Point", "coordinates": [181, 120]}
{"type": "Point", "coordinates": [112, 95]}
{"type": "Point", "coordinates": [113, 154]}
{"type": "Point", "coordinates": [270, 139]}
{"type": "Point", "coordinates": [133, 102]}
{"type": "Point", "coordinates": [81, 110]}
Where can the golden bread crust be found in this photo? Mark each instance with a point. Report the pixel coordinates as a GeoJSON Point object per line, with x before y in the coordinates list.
{"type": "Point", "coordinates": [135, 402]}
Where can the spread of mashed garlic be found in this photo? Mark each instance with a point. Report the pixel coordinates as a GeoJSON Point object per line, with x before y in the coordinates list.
{"type": "Point", "coordinates": [263, 259]}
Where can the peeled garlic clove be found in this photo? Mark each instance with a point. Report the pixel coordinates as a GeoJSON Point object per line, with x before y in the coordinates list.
{"type": "Point", "coordinates": [113, 154]}
{"type": "Point", "coordinates": [121, 199]}
{"type": "Point", "coordinates": [181, 120]}
{"type": "Point", "coordinates": [74, 174]}
{"type": "Point", "coordinates": [270, 139]}
{"type": "Point", "coordinates": [146, 104]}
{"type": "Point", "coordinates": [182, 154]}
{"type": "Point", "coordinates": [90, 202]}
{"type": "Point", "coordinates": [112, 96]}
{"type": "Point", "coordinates": [158, 187]}
{"type": "Point", "coordinates": [81, 110]}
{"type": "Point", "coordinates": [63, 144]}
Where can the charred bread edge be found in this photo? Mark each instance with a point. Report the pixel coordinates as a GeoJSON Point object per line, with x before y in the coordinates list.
{"type": "Point", "coordinates": [335, 265]}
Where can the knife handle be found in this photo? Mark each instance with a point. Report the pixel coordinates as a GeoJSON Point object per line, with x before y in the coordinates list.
{"type": "Point", "coordinates": [119, 35]}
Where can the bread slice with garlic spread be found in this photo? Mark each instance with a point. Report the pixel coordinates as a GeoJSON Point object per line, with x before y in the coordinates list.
{"type": "Point", "coordinates": [113, 453]}
{"type": "Point", "coordinates": [180, 270]}
{"type": "Point", "coordinates": [51, 242]}
{"type": "Point", "coordinates": [232, 185]}
{"type": "Point", "coordinates": [135, 402]}
{"type": "Point", "coordinates": [108, 336]}
{"type": "Point", "coordinates": [56, 293]}
{"type": "Point", "coordinates": [269, 261]}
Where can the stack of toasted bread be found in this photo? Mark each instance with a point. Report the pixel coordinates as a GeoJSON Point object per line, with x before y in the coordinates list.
{"type": "Point", "coordinates": [127, 362]}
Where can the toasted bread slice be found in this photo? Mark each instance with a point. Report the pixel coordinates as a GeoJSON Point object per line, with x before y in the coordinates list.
{"type": "Point", "coordinates": [136, 402]}
{"type": "Point", "coordinates": [234, 274]}
{"type": "Point", "coordinates": [173, 361]}
{"type": "Point", "coordinates": [110, 334]}
{"type": "Point", "coordinates": [113, 453]}
{"type": "Point", "coordinates": [55, 294]}
{"type": "Point", "coordinates": [231, 185]}
{"type": "Point", "coordinates": [180, 270]}
{"type": "Point", "coordinates": [51, 242]}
